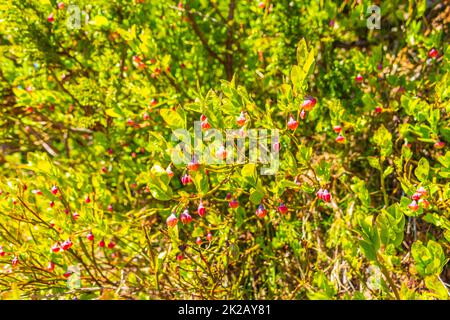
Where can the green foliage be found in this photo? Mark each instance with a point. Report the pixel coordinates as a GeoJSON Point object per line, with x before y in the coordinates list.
{"type": "Point", "coordinates": [101, 104]}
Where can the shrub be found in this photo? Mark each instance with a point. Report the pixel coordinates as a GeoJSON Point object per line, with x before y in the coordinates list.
{"type": "Point", "coordinates": [95, 98]}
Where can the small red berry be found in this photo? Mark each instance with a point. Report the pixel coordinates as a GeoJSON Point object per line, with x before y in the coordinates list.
{"type": "Point", "coordinates": [110, 208]}
{"type": "Point", "coordinates": [67, 274]}
{"type": "Point", "coordinates": [309, 103]}
{"type": "Point", "coordinates": [203, 118]}
{"type": "Point", "coordinates": [169, 171]}
{"type": "Point", "coordinates": [172, 220]}
{"type": "Point", "coordinates": [439, 144]}
{"type": "Point", "coordinates": [60, 5]}
{"type": "Point", "coordinates": [52, 204]}
{"type": "Point", "coordinates": [101, 244]}
{"type": "Point", "coordinates": [185, 217]}
{"type": "Point", "coordinates": [261, 211]}
{"type": "Point", "coordinates": [422, 191]}
{"type": "Point", "coordinates": [233, 204]}
{"type": "Point", "coordinates": [424, 203]}
{"type": "Point", "coordinates": [206, 125]}
{"type": "Point", "coordinates": [413, 206]}
{"type": "Point", "coordinates": [378, 109]}
{"type": "Point", "coordinates": [337, 129]}
{"type": "Point", "coordinates": [180, 257]}
{"type": "Point", "coordinates": [87, 199]}
{"type": "Point", "coordinates": [292, 123]}
{"type": "Point", "coordinates": [66, 245]}
{"type": "Point", "coordinates": [359, 78]}
{"type": "Point", "coordinates": [2, 253]}
{"type": "Point", "coordinates": [111, 244]}
{"type": "Point", "coordinates": [209, 236]}
{"type": "Point", "coordinates": [340, 139]}
{"type": "Point", "coordinates": [50, 266]}
{"type": "Point", "coordinates": [37, 192]}
{"type": "Point", "coordinates": [55, 248]}
{"type": "Point", "coordinates": [51, 18]}
{"type": "Point", "coordinates": [416, 196]}
{"type": "Point", "coordinates": [433, 53]}
{"type": "Point", "coordinates": [241, 120]}
{"type": "Point", "coordinates": [55, 190]}
{"type": "Point", "coordinates": [201, 210]}
{"type": "Point", "coordinates": [302, 114]}
{"type": "Point", "coordinates": [198, 241]}
{"type": "Point", "coordinates": [90, 236]}
{"type": "Point", "coordinates": [130, 122]}
{"type": "Point", "coordinates": [146, 116]}
{"type": "Point", "coordinates": [193, 165]}
{"type": "Point", "coordinates": [282, 208]}
{"type": "Point", "coordinates": [320, 193]}
{"type": "Point", "coordinates": [186, 179]}
{"type": "Point", "coordinates": [276, 146]}
{"type": "Point", "coordinates": [221, 153]}
{"type": "Point", "coordinates": [326, 196]}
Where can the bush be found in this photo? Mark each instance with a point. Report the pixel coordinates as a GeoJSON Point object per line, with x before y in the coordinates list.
{"type": "Point", "coordinates": [97, 201]}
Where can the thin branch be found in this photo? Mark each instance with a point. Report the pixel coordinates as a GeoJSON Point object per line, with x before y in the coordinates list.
{"type": "Point", "coordinates": [201, 36]}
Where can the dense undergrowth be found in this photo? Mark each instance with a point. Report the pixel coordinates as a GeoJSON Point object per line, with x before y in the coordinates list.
{"type": "Point", "coordinates": [92, 91]}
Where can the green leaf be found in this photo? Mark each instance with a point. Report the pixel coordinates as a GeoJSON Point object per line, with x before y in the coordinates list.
{"type": "Point", "coordinates": [406, 153]}
{"type": "Point", "coordinates": [304, 154]}
{"type": "Point", "coordinates": [388, 171]}
{"type": "Point", "coordinates": [374, 162]}
{"type": "Point", "coordinates": [360, 189]}
{"type": "Point", "coordinates": [256, 196]}
{"type": "Point", "coordinates": [297, 78]}
{"type": "Point", "coordinates": [429, 260]}
{"type": "Point", "coordinates": [112, 113]}
{"type": "Point", "coordinates": [99, 21]}
{"type": "Point", "coordinates": [302, 52]}
{"type": "Point", "coordinates": [437, 287]}
{"type": "Point", "coordinates": [248, 172]}
{"type": "Point", "coordinates": [173, 118]}
{"type": "Point", "coordinates": [159, 190]}
{"type": "Point", "coordinates": [368, 250]}
{"type": "Point", "coordinates": [323, 170]}
{"type": "Point", "coordinates": [422, 170]}
{"type": "Point", "coordinates": [383, 139]}
{"type": "Point", "coordinates": [157, 181]}
{"type": "Point", "coordinates": [391, 223]}
{"type": "Point", "coordinates": [201, 183]}
{"type": "Point", "coordinates": [309, 62]}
